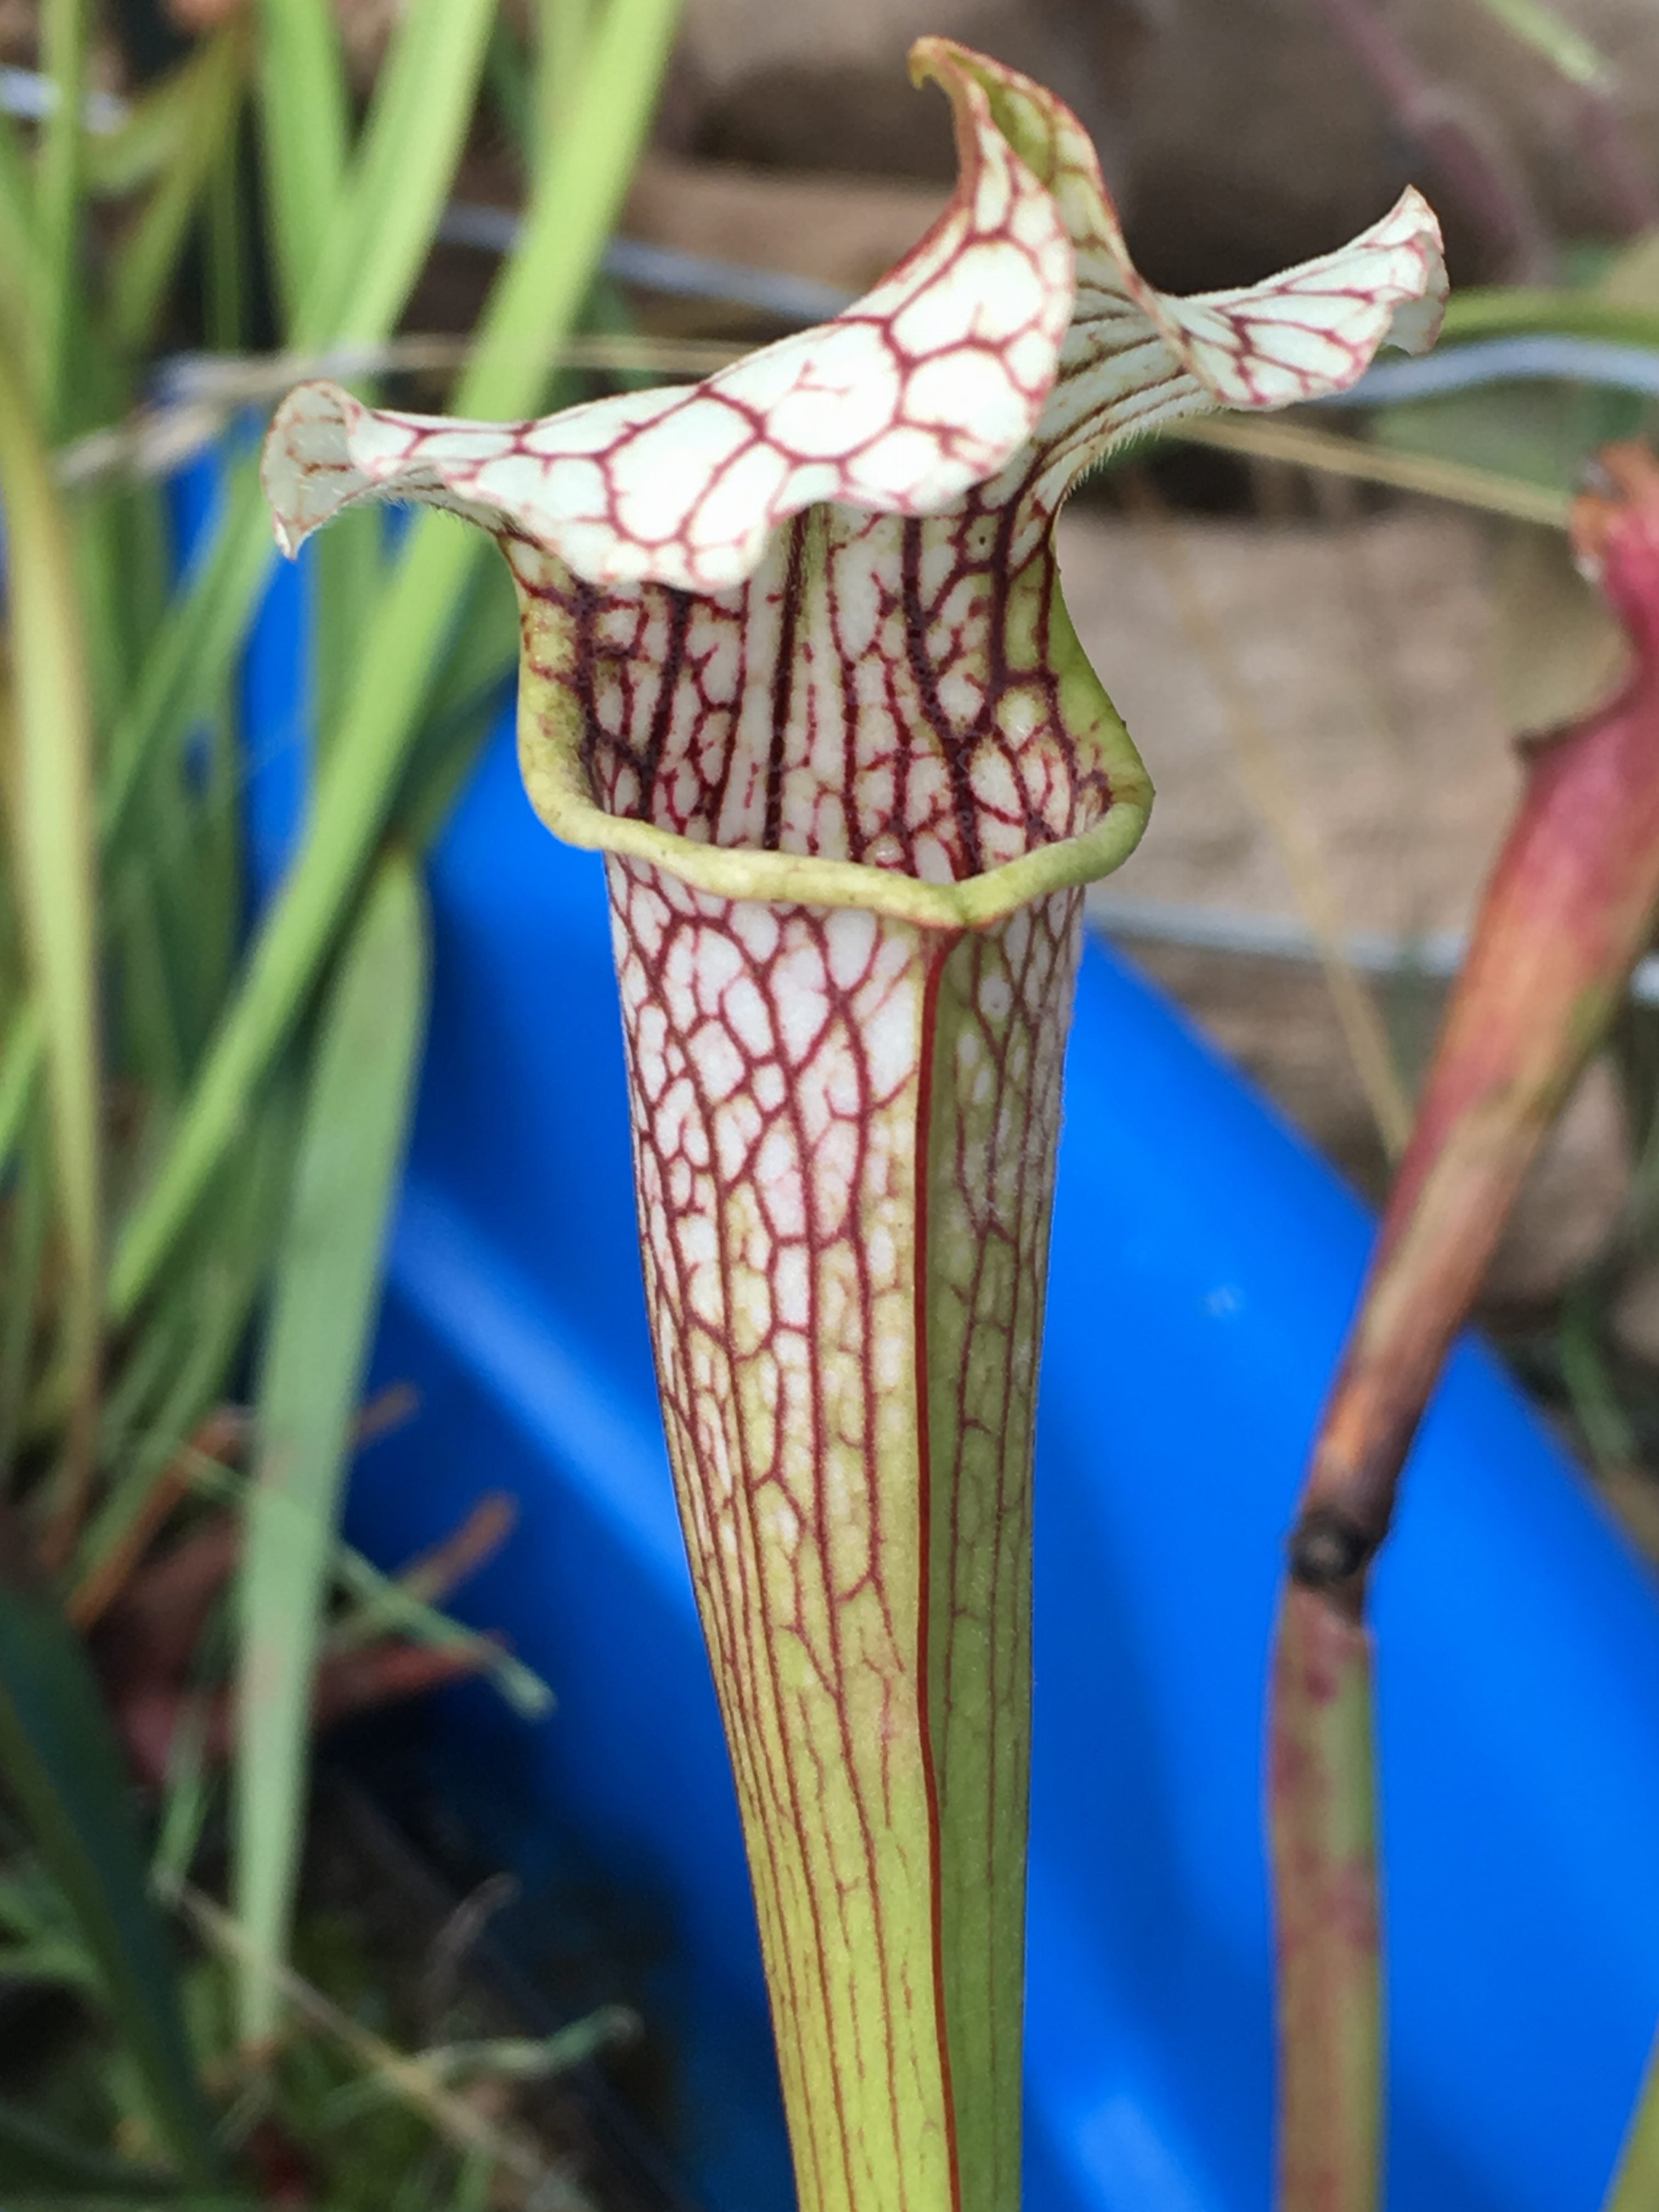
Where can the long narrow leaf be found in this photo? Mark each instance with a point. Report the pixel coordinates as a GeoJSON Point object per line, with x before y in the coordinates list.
{"type": "Point", "coordinates": [33, 2155]}
{"type": "Point", "coordinates": [185, 670]}
{"type": "Point", "coordinates": [201, 1320]}
{"type": "Point", "coordinates": [398, 182]}
{"type": "Point", "coordinates": [105, 584]}
{"type": "Point", "coordinates": [147, 137]}
{"type": "Point", "coordinates": [1322, 1822]}
{"type": "Point", "coordinates": [1548, 33]}
{"type": "Point", "coordinates": [225, 276]}
{"type": "Point", "coordinates": [52, 825]}
{"type": "Point", "coordinates": [57, 198]}
{"type": "Point", "coordinates": [104, 2199]}
{"type": "Point", "coordinates": [324, 1307]}
{"type": "Point", "coordinates": [61, 1766]}
{"type": "Point", "coordinates": [20, 1064]}
{"type": "Point", "coordinates": [20, 260]}
{"type": "Point", "coordinates": [345, 586]}
{"type": "Point", "coordinates": [83, 2200]}
{"type": "Point", "coordinates": [149, 1021]}
{"type": "Point", "coordinates": [579, 192]}
{"type": "Point", "coordinates": [1491, 310]}
{"type": "Point", "coordinates": [303, 116]}
{"type": "Point", "coordinates": [401, 177]}
{"type": "Point", "coordinates": [388, 1607]}
{"type": "Point", "coordinates": [1635, 2186]}
{"type": "Point", "coordinates": [468, 694]}
{"type": "Point", "coordinates": [388, 1604]}
{"type": "Point", "coordinates": [535, 301]}
{"type": "Point", "coordinates": [150, 258]}
{"type": "Point", "coordinates": [508, 82]}
{"type": "Point", "coordinates": [562, 30]}
{"type": "Point", "coordinates": [25, 1267]}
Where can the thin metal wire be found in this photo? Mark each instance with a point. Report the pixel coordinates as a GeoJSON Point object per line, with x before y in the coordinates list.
{"type": "Point", "coordinates": [1542, 357]}
{"type": "Point", "coordinates": [1438, 955]}
{"type": "Point", "coordinates": [1539, 357]}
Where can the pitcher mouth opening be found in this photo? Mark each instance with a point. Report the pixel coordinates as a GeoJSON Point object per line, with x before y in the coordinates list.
{"type": "Point", "coordinates": [948, 411]}
{"type": "Point", "coordinates": [557, 780]}
{"type": "Point", "coordinates": [882, 719]}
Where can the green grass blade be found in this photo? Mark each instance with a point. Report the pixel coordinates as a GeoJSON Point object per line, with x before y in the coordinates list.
{"type": "Point", "coordinates": [385, 1606]}
{"type": "Point", "coordinates": [216, 869]}
{"type": "Point", "coordinates": [185, 672]}
{"type": "Point", "coordinates": [1491, 310]}
{"type": "Point", "coordinates": [508, 81]}
{"type": "Point", "coordinates": [211, 1301]}
{"type": "Point", "coordinates": [20, 260]}
{"type": "Point", "coordinates": [149, 1023]}
{"type": "Point", "coordinates": [578, 195]}
{"type": "Point", "coordinates": [346, 583]}
{"type": "Point", "coordinates": [304, 129]}
{"type": "Point", "coordinates": [1635, 2184]}
{"type": "Point", "coordinates": [395, 192]}
{"type": "Point", "coordinates": [322, 1309]}
{"type": "Point", "coordinates": [57, 196]}
{"type": "Point", "coordinates": [562, 30]}
{"type": "Point", "coordinates": [28, 1226]}
{"type": "Point", "coordinates": [82, 2200]}
{"type": "Point", "coordinates": [227, 257]}
{"type": "Point", "coordinates": [468, 694]}
{"type": "Point", "coordinates": [148, 258]}
{"type": "Point", "coordinates": [145, 2200]}
{"type": "Point", "coordinates": [187, 1799]}
{"type": "Point", "coordinates": [1566, 50]}
{"type": "Point", "coordinates": [151, 1360]}
{"type": "Point", "coordinates": [63, 1771]}
{"type": "Point", "coordinates": [56, 874]}
{"type": "Point", "coordinates": [354, 790]}
{"type": "Point", "coordinates": [400, 178]}
{"type": "Point", "coordinates": [20, 1065]}
{"type": "Point", "coordinates": [33, 2155]}
{"type": "Point", "coordinates": [531, 309]}
{"type": "Point", "coordinates": [105, 584]}
{"type": "Point", "coordinates": [125, 160]}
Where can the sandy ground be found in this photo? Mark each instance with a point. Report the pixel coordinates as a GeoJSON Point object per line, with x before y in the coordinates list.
{"type": "Point", "coordinates": [1358, 657]}
{"type": "Point", "coordinates": [1363, 653]}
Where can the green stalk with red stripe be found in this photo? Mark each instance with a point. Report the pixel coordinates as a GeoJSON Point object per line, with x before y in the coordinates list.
{"type": "Point", "coordinates": [1570, 908]}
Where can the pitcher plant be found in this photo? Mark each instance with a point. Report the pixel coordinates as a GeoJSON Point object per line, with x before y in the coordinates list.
{"type": "Point", "coordinates": [796, 660]}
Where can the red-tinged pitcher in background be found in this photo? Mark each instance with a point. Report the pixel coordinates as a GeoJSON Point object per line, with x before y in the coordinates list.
{"type": "Point", "coordinates": [1568, 910]}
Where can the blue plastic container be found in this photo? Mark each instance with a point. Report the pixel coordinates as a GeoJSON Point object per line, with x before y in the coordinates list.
{"type": "Point", "coordinates": [1205, 1263]}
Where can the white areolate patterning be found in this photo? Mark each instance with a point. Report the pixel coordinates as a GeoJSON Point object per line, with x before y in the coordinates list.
{"type": "Point", "coordinates": [795, 657]}
{"type": "Point", "coordinates": [810, 1086]}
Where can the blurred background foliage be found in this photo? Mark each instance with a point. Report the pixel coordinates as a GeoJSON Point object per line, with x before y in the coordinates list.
{"type": "Point", "coordinates": [203, 1090]}
{"type": "Point", "coordinates": [208, 1060]}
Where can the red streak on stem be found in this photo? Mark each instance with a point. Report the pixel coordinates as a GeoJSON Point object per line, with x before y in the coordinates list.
{"type": "Point", "coordinates": [1325, 1872]}
{"type": "Point", "coordinates": [1566, 913]}
{"type": "Point", "coordinates": [1568, 910]}
{"type": "Point", "coordinates": [938, 956]}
